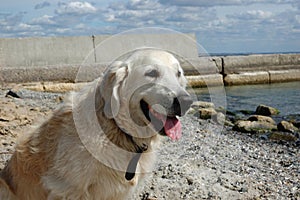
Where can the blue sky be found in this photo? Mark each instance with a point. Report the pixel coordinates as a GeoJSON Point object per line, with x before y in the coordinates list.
{"type": "Point", "coordinates": [230, 26]}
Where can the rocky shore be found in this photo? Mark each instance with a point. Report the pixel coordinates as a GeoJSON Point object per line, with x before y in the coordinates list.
{"type": "Point", "coordinates": [218, 157]}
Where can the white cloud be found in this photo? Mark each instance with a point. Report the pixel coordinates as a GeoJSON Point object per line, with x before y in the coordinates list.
{"type": "Point", "coordinates": [202, 3]}
{"type": "Point", "coordinates": [259, 14]}
{"type": "Point", "coordinates": [27, 27]}
{"type": "Point", "coordinates": [12, 19]}
{"type": "Point", "coordinates": [136, 13]}
{"type": "Point", "coordinates": [75, 8]}
{"type": "Point", "coordinates": [63, 30]}
{"type": "Point", "coordinates": [252, 15]}
{"type": "Point", "coordinates": [143, 5]}
{"type": "Point", "coordinates": [44, 20]}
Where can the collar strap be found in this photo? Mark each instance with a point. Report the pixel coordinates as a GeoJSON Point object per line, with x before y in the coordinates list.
{"type": "Point", "coordinates": [130, 171]}
{"type": "Point", "coordinates": [131, 168]}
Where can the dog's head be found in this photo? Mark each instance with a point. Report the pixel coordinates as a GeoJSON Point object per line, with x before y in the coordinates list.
{"type": "Point", "coordinates": [145, 93]}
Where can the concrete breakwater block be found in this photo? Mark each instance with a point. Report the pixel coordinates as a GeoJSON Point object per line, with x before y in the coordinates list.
{"type": "Point", "coordinates": [284, 75]}
{"type": "Point", "coordinates": [260, 62]}
{"type": "Point", "coordinates": [205, 80]}
{"type": "Point", "coordinates": [247, 78]}
{"type": "Point", "coordinates": [35, 74]}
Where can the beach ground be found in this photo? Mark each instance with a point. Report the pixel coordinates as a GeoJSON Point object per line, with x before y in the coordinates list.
{"type": "Point", "coordinates": [208, 162]}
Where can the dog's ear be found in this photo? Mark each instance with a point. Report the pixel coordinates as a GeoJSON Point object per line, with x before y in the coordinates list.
{"type": "Point", "coordinates": [109, 89]}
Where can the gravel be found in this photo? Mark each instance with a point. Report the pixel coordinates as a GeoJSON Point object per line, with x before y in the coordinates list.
{"type": "Point", "coordinates": [208, 162]}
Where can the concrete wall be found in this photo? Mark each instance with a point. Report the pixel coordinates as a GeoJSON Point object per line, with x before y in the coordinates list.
{"type": "Point", "coordinates": [61, 58]}
{"type": "Point", "coordinates": [254, 69]}
{"type": "Point", "coordinates": [237, 64]}
{"type": "Point", "coordinates": [78, 59]}
{"type": "Point", "coordinates": [48, 51]}
{"type": "Point", "coordinates": [32, 52]}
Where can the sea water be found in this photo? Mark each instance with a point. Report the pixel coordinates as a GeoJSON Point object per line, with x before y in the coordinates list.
{"type": "Point", "coordinates": [283, 96]}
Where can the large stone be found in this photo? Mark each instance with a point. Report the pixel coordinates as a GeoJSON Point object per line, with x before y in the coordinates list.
{"type": "Point", "coordinates": [207, 113]}
{"type": "Point", "coordinates": [261, 118]}
{"type": "Point", "coordinates": [266, 110]}
{"type": "Point", "coordinates": [220, 118]}
{"type": "Point", "coordinates": [287, 127]}
{"type": "Point", "coordinates": [253, 126]}
{"type": "Point", "coordinates": [202, 104]}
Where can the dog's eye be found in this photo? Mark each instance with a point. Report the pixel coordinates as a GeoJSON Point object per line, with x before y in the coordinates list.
{"type": "Point", "coordinates": [153, 73]}
{"type": "Point", "coordinates": [178, 74]}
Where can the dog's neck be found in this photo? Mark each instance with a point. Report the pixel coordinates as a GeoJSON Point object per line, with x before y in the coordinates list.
{"type": "Point", "coordinates": [114, 137]}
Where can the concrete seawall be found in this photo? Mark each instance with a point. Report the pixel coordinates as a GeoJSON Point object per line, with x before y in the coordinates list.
{"type": "Point", "coordinates": [254, 69]}
{"type": "Point", "coordinates": [61, 58]}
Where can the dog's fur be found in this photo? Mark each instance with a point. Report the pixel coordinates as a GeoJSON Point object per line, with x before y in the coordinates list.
{"type": "Point", "coordinates": [77, 153]}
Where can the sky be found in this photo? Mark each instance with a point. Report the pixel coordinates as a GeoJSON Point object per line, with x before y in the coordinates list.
{"type": "Point", "coordinates": [221, 26]}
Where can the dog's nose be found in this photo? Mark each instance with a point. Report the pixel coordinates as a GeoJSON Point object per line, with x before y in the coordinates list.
{"type": "Point", "coordinates": [181, 104]}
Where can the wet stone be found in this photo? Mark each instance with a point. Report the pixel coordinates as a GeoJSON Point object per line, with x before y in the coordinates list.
{"type": "Point", "coordinates": [266, 110]}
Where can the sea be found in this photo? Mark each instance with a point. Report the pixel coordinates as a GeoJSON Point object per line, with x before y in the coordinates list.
{"type": "Point", "coordinates": [244, 99]}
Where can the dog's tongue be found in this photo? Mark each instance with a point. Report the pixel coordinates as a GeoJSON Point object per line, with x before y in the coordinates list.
{"type": "Point", "coordinates": [173, 128]}
{"type": "Point", "coordinates": [172, 125]}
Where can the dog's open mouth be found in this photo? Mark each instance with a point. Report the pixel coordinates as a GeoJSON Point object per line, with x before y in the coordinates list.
{"type": "Point", "coordinates": [164, 124]}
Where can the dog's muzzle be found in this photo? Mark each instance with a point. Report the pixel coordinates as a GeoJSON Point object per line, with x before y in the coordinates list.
{"type": "Point", "coordinates": [181, 104]}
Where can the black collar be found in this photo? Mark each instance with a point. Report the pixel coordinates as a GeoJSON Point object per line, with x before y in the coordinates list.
{"type": "Point", "coordinates": [131, 168]}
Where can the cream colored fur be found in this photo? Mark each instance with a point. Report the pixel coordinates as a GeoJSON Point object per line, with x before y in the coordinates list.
{"type": "Point", "coordinates": [70, 157]}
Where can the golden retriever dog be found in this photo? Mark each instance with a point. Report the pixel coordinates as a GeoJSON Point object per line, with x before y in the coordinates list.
{"type": "Point", "coordinates": [100, 143]}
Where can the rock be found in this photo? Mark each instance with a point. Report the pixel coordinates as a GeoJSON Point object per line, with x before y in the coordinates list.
{"type": "Point", "coordinates": [261, 118]}
{"type": "Point", "coordinates": [220, 118]}
{"type": "Point", "coordinates": [202, 104]}
{"type": "Point", "coordinates": [297, 124]}
{"type": "Point", "coordinates": [228, 123]}
{"type": "Point", "coordinates": [192, 111]}
{"type": "Point", "coordinates": [266, 110]}
{"type": "Point", "coordinates": [190, 180]}
{"type": "Point", "coordinates": [11, 93]}
{"type": "Point", "coordinates": [287, 127]}
{"type": "Point", "coordinates": [264, 136]}
{"type": "Point", "coordinates": [253, 126]}
{"type": "Point", "coordinates": [283, 136]}
{"type": "Point", "coordinates": [256, 124]}
{"type": "Point", "coordinates": [207, 113]}
{"type": "Point", "coordinates": [59, 99]}
{"type": "Point", "coordinates": [6, 117]}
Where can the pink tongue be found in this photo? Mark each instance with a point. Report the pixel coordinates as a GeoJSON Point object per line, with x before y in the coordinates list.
{"type": "Point", "coordinates": [172, 125]}
{"type": "Point", "coordinates": [173, 128]}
